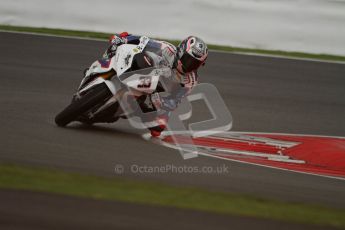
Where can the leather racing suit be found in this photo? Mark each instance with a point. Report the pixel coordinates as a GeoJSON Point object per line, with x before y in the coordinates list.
{"type": "Point", "coordinates": [185, 81]}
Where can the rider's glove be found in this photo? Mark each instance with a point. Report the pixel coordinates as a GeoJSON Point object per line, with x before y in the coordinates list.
{"type": "Point", "coordinates": [115, 40]}
{"type": "Point", "coordinates": [118, 37]}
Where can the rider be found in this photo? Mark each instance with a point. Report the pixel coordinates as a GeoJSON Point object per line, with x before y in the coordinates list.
{"type": "Point", "coordinates": [186, 58]}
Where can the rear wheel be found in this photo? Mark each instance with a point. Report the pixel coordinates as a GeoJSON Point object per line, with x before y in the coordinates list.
{"type": "Point", "coordinates": [93, 97]}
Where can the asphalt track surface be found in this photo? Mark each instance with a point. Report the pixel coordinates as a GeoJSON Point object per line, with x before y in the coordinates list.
{"type": "Point", "coordinates": [39, 74]}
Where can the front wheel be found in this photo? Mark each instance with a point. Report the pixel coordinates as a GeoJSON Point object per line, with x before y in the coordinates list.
{"type": "Point", "coordinates": [93, 97]}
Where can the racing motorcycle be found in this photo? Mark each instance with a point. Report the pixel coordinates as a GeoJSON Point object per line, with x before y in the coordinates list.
{"type": "Point", "coordinates": [134, 71]}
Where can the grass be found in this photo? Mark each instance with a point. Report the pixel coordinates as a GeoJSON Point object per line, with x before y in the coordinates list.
{"type": "Point", "coordinates": [119, 189]}
{"type": "Point", "coordinates": [99, 35]}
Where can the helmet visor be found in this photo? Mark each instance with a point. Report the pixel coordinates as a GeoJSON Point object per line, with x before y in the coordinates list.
{"type": "Point", "coordinates": [189, 63]}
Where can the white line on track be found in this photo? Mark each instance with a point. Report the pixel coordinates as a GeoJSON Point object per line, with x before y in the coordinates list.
{"type": "Point", "coordinates": [215, 51]}
{"type": "Point", "coordinates": [280, 57]}
{"type": "Point", "coordinates": [52, 35]}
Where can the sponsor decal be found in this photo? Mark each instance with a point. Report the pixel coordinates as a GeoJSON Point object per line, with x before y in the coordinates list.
{"type": "Point", "coordinates": [127, 59]}
{"type": "Point", "coordinates": [145, 82]}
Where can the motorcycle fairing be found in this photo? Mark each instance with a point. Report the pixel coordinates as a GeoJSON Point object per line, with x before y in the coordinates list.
{"type": "Point", "coordinates": [121, 62]}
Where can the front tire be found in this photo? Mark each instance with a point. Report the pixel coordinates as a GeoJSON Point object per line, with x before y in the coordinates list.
{"type": "Point", "coordinates": [96, 95]}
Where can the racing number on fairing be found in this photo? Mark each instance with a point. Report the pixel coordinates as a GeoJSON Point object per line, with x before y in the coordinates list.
{"type": "Point", "coordinates": [145, 82]}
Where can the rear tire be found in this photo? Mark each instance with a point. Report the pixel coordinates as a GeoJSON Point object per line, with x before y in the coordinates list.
{"type": "Point", "coordinates": [97, 94]}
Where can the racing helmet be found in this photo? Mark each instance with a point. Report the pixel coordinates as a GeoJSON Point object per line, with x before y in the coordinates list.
{"type": "Point", "coordinates": [192, 53]}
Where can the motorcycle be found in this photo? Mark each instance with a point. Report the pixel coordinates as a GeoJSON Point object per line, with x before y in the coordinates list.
{"type": "Point", "coordinates": [133, 72]}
